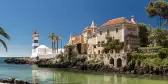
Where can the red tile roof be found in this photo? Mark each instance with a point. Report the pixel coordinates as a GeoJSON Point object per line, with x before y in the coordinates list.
{"type": "Point", "coordinates": [117, 21]}
{"type": "Point", "coordinates": [35, 32]}
{"type": "Point", "coordinates": [78, 37]}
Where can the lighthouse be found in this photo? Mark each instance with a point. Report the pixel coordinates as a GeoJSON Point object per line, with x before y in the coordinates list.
{"type": "Point", "coordinates": [41, 51]}
{"type": "Point", "coordinates": [35, 42]}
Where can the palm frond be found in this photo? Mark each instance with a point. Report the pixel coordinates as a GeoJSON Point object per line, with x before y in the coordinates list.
{"type": "Point", "coordinates": [52, 37]}
{"type": "Point", "coordinates": [4, 44]}
{"type": "Point", "coordinates": [4, 34]}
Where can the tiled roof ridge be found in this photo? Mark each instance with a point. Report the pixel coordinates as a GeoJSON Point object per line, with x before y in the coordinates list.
{"type": "Point", "coordinates": [118, 20]}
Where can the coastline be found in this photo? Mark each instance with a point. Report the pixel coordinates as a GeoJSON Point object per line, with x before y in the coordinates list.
{"type": "Point", "coordinates": [91, 67]}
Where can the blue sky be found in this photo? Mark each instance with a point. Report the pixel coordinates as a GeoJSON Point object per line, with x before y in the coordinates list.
{"type": "Point", "coordinates": [21, 17]}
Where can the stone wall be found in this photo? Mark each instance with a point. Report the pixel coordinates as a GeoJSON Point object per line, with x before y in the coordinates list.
{"type": "Point", "coordinates": [115, 59]}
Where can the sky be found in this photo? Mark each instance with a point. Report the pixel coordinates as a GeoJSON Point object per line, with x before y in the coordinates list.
{"type": "Point", "coordinates": [20, 18]}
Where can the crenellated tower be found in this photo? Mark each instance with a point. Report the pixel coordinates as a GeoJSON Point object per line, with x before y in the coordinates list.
{"type": "Point", "coordinates": [35, 43]}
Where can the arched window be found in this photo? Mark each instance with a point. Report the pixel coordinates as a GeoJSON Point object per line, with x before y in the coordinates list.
{"type": "Point", "coordinates": [112, 61]}
{"type": "Point", "coordinates": [119, 62]}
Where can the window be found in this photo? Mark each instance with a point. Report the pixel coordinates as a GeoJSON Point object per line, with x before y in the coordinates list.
{"type": "Point", "coordinates": [35, 41]}
{"type": "Point", "coordinates": [94, 46]}
{"type": "Point", "coordinates": [98, 44]}
{"type": "Point", "coordinates": [116, 30]}
{"type": "Point", "coordinates": [127, 42]}
{"type": "Point", "coordinates": [108, 31]}
{"type": "Point", "coordinates": [100, 32]}
{"type": "Point", "coordinates": [98, 51]}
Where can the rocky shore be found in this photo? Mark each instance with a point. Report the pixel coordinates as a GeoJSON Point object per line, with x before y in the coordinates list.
{"type": "Point", "coordinates": [100, 67]}
{"type": "Point", "coordinates": [13, 81]}
{"type": "Point", "coordinates": [82, 64]}
{"type": "Point", "coordinates": [20, 61]}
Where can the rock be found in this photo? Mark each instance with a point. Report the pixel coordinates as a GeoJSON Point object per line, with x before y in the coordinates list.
{"type": "Point", "coordinates": [156, 70]}
{"type": "Point", "coordinates": [13, 81]}
{"type": "Point", "coordinates": [17, 61]}
{"type": "Point", "coordinates": [161, 71]}
{"type": "Point", "coordinates": [150, 70]}
{"type": "Point", "coordinates": [141, 71]}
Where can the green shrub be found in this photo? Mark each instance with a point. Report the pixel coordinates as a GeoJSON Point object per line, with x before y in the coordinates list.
{"type": "Point", "coordinates": [155, 62]}
{"type": "Point", "coordinates": [152, 62]}
{"type": "Point", "coordinates": [150, 48]}
{"type": "Point", "coordinates": [144, 55]}
{"type": "Point", "coordinates": [163, 53]}
{"type": "Point", "coordinates": [165, 62]}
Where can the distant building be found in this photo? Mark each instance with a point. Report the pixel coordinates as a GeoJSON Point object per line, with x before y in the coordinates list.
{"type": "Point", "coordinates": [41, 51]}
{"type": "Point", "coordinates": [81, 41]}
{"type": "Point", "coordinates": [120, 28]}
{"type": "Point", "coordinates": [94, 37]}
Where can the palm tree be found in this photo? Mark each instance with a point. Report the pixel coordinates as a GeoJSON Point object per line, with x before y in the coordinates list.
{"type": "Point", "coordinates": [61, 42]}
{"type": "Point", "coordinates": [4, 34]}
{"type": "Point", "coordinates": [52, 38]}
{"type": "Point", "coordinates": [57, 39]}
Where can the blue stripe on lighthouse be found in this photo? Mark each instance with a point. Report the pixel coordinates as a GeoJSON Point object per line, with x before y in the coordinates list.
{"type": "Point", "coordinates": [35, 47]}
{"type": "Point", "coordinates": [35, 41]}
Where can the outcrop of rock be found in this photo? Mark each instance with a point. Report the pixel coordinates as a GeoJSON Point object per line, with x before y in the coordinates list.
{"type": "Point", "coordinates": [13, 81]}
{"type": "Point", "coordinates": [20, 61]}
{"type": "Point", "coordinates": [100, 67]}
{"type": "Point", "coordinates": [80, 64]}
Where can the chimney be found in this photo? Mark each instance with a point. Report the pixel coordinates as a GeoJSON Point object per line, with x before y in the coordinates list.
{"type": "Point", "coordinates": [132, 19]}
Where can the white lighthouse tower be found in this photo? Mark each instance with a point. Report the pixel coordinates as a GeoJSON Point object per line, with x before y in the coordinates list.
{"type": "Point", "coordinates": [35, 43]}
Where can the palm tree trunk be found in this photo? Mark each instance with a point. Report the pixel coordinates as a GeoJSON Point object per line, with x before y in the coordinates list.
{"type": "Point", "coordinates": [52, 47]}
{"type": "Point", "coordinates": [61, 45]}
{"type": "Point", "coordinates": [57, 46]}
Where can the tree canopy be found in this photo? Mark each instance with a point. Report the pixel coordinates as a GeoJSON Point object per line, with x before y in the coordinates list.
{"type": "Point", "coordinates": [159, 9]}
{"type": "Point", "coordinates": [143, 34]}
{"type": "Point", "coordinates": [113, 44]}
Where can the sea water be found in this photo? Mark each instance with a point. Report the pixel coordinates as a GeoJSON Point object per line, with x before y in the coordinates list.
{"type": "Point", "coordinates": [37, 75]}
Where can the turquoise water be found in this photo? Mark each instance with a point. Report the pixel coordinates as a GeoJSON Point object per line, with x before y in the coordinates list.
{"type": "Point", "coordinates": [63, 76]}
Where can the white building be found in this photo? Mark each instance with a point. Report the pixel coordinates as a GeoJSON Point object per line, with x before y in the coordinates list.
{"type": "Point", "coordinates": [42, 51]}
{"type": "Point", "coordinates": [120, 28]}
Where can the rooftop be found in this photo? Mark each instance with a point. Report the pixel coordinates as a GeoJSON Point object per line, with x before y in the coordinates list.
{"type": "Point", "coordinates": [117, 21]}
